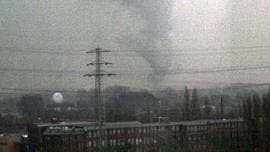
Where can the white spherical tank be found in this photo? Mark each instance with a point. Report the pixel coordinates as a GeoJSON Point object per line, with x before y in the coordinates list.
{"type": "Point", "coordinates": [57, 97]}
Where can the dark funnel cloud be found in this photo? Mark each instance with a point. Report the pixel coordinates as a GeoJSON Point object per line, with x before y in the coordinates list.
{"type": "Point", "coordinates": [153, 41]}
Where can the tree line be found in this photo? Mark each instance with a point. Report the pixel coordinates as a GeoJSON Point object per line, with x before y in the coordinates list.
{"type": "Point", "coordinates": [123, 104]}
{"type": "Point", "coordinates": [256, 113]}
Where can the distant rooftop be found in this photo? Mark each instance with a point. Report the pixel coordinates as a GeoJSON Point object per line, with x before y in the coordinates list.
{"type": "Point", "coordinates": [64, 131]}
{"type": "Point", "coordinates": [81, 127]}
{"type": "Point", "coordinates": [76, 128]}
{"type": "Point", "coordinates": [79, 123]}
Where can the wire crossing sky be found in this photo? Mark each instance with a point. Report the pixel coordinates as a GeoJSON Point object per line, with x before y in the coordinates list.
{"type": "Point", "coordinates": [159, 43]}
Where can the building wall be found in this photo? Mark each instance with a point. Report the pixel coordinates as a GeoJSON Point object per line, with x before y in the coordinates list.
{"type": "Point", "coordinates": [215, 136]}
{"type": "Point", "coordinates": [10, 143]}
{"type": "Point", "coordinates": [64, 143]}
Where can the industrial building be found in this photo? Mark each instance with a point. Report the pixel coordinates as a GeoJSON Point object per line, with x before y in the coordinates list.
{"type": "Point", "coordinates": [135, 136]}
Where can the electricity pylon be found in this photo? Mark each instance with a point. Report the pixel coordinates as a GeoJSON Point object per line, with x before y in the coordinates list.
{"type": "Point", "coordinates": [100, 106]}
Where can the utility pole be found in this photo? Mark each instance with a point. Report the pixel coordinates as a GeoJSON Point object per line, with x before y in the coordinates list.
{"type": "Point", "coordinates": [221, 108]}
{"type": "Point", "coordinates": [99, 103]}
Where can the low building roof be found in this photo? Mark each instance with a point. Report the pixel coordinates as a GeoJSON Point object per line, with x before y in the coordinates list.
{"type": "Point", "coordinates": [67, 128]}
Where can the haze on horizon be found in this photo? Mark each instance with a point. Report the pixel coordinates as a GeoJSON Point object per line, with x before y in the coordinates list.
{"type": "Point", "coordinates": [155, 44]}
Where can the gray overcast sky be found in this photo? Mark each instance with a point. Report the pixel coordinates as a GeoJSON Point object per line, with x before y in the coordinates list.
{"type": "Point", "coordinates": [170, 38]}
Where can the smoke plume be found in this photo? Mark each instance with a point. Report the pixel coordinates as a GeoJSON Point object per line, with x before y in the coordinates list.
{"type": "Point", "coordinates": [153, 40]}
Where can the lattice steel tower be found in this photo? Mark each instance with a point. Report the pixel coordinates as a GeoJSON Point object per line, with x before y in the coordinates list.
{"type": "Point", "coordinates": [99, 103]}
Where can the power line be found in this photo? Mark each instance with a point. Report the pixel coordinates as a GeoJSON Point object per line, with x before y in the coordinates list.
{"type": "Point", "coordinates": [27, 70]}
{"type": "Point", "coordinates": [198, 50]}
{"type": "Point", "coordinates": [158, 52]}
{"type": "Point", "coordinates": [172, 72]}
{"type": "Point", "coordinates": [37, 90]}
{"type": "Point", "coordinates": [227, 70]}
{"type": "Point", "coordinates": [49, 91]}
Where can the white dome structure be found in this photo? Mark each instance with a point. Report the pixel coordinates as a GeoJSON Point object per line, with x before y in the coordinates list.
{"type": "Point", "coordinates": [57, 97]}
